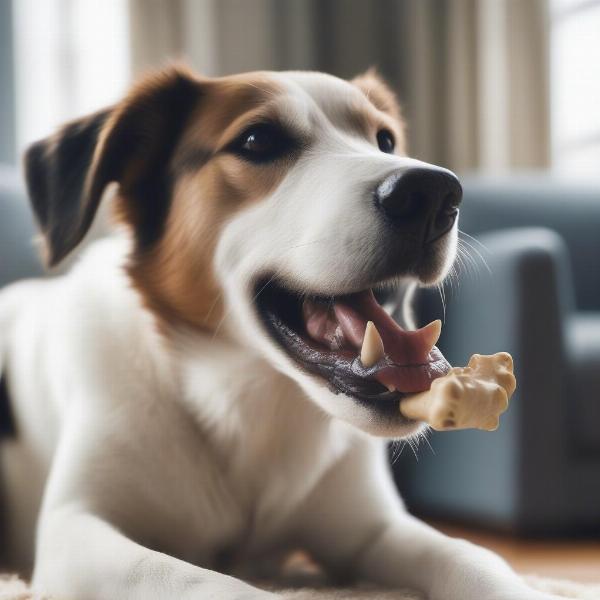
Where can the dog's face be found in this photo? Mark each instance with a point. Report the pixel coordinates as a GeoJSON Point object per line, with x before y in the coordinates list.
{"type": "Point", "coordinates": [269, 206]}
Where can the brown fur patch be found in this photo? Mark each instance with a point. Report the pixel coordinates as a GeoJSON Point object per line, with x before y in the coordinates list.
{"type": "Point", "coordinates": [175, 276]}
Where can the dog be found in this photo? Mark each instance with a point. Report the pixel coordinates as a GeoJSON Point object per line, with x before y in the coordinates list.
{"type": "Point", "coordinates": [189, 398]}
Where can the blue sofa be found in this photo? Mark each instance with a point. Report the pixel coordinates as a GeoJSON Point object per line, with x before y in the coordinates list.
{"type": "Point", "coordinates": [539, 473]}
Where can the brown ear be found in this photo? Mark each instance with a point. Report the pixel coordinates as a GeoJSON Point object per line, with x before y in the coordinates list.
{"type": "Point", "coordinates": [130, 143]}
{"type": "Point", "coordinates": [378, 92]}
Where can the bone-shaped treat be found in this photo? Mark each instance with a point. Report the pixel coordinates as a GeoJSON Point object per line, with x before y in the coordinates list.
{"type": "Point", "coordinates": [466, 397]}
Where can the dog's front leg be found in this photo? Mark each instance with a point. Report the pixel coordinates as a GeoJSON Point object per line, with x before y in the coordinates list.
{"type": "Point", "coordinates": [409, 551]}
{"type": "Point", "coordinates": [355, 523]}
{"type": "Point", "coordinates": [80, 555]}
{"type": "Point", "coordinates": [103, 485]}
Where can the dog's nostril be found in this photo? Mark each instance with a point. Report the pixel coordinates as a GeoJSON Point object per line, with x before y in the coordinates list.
{"type": "Point", "coordinates": [421, 201]}
{"type": "Point", "coordinates": [452, 201]}
{"type": "Point", "coordinates": [441, 224]}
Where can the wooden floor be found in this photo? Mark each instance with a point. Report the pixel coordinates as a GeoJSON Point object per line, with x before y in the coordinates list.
{"type": "Point", "coordinates": [575, 560]}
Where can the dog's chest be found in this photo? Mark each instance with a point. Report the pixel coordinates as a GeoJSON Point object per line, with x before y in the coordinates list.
{"type": "Point", "coordinates": [269, 446]}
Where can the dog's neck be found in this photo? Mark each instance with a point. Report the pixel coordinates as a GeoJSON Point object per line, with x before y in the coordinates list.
{"type": "Point", "coordinates": [256, 417]}
{"type": "Point", "coordinates": [229, 389]}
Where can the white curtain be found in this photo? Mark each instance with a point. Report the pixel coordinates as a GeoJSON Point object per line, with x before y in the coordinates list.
{"type": "Point", "coordinates": [71, 58]}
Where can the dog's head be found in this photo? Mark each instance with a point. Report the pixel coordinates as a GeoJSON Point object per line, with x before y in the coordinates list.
{"type": "Point", "coordinates": [268, 206]}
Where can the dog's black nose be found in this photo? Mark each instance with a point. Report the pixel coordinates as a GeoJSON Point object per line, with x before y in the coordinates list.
{"type": "Point", "coordinates": [422, 201]}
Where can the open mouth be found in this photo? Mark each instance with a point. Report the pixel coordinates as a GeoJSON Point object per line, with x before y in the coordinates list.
{"type": "Point", "coordinates": [352, 343]}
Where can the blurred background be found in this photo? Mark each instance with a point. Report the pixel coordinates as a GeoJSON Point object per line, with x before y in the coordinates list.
{"type": "Point", "coordinates": [486, 84]}
{"type": "Point", "coordinates": [506, 93]}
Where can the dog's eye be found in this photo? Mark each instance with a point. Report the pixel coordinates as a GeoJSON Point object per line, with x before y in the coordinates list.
{"type": "Point", "coordinates": [385, 141]}
{"type": "Point", "coordinates": [259, 141]}
{"type": "Point", "coordinates": [263, 143]}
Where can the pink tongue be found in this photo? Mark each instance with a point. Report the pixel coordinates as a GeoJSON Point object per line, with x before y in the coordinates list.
{"type": "Point", "coordinates": [403, 347]}
{"type": "Point", "coordinates": [416, 362]}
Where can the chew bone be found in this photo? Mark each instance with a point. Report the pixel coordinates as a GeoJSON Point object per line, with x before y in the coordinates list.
{"type": "Point", "coordinates": [466, 397]}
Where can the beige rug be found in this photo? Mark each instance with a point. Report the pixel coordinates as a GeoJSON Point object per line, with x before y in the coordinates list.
{"type": "Point", "coordinates": [12, 588]}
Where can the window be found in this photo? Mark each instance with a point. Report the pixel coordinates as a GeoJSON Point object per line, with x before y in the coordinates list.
{"type": "Point", "coordinates": [575, 85]}
{"type": "Point", "coordinates": [71, 58]}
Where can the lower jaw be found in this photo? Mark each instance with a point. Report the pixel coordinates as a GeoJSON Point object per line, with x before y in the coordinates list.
{"type": "Point", "coordinates": [337, 374]}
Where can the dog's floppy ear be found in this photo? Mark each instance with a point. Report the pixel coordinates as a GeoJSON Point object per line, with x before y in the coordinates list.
{"type": "Point", "coordinates": [130, 143]}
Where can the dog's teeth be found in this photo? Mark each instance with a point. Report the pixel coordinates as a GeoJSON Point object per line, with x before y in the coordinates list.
{"type": "Point", "coordinates": [372, 347]}
{"type": "Point", "coordinates": [433, 331]}
{"type": "Point", "coordinates": [391, 388]}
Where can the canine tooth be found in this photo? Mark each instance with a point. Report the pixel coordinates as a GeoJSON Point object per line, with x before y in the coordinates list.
{"type": "Point", "coordinates": [372, 347]}
{"type": "Point", "coordinates": [433, 331]}
{"type": "Point", "coordinates": [391, 388]}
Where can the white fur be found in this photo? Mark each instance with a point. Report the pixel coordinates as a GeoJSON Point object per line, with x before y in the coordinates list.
{"type": "Point", "coordinates": [159, 459]}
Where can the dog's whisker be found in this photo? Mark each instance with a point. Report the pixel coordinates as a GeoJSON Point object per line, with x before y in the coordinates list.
{"type": "Point", "coordinates": [425, 437]}
{"type": "Point", "coordinates": [464, 262]}
{"type": "Point", "coordinates": [397, 446]}
{"type": "Point", "coordinates": [474, 239]}
{"type": "Point", "coordinates": [466, 249]}
{"type": "Point", "coordinates": [465, 244]}
{"type": "Point", "coordinates": [260, 89]}
{"type": "Point", "coordinates": [413, 447]}
{"type": "Point", "coordinates": [440, 287]}
{"type": "Point", "coordinates": [449, 281]}
{"type": "Point", "coordinates": [217, 299]}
